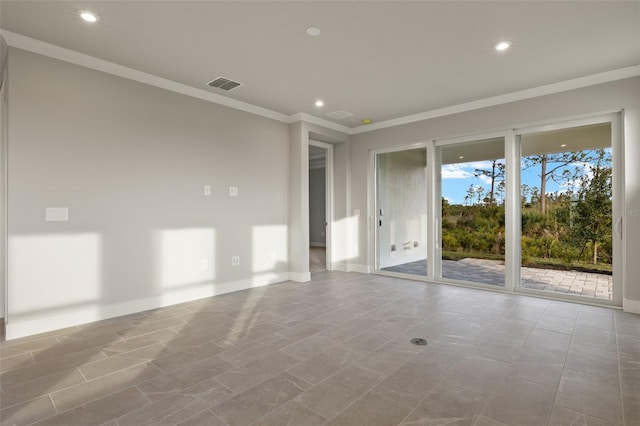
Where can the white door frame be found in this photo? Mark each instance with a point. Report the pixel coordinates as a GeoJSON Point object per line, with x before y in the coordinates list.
{"type": "Point", "coordinates": [328, 200]}
{"type": "Point", "coordinates": [512, 213]}
{"type": "Point", "coordinates": [4, 169]}
{"type": "Point", "coordinates": [373, 210]}
{"type": "Point", "coordinates": [617, 156]}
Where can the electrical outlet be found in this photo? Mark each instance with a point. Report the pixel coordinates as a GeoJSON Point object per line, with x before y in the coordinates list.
{"type": "Point", "coordinates": [207, 190]}
{"type": "Point", "coordinates": [56, 214]}
{"type": "Point", "coordinates": [393, 247]}
{"type": "Point", "coordinates": [235, 260]}
{"type": "Point", "coordinates": [233, 191]}
{"type": "Point", "coordinates": [204, 263]}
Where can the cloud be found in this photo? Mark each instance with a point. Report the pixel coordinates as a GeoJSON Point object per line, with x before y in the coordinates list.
{"type": "Point", "coordinates": [484, 179]}
{"type": "Point", "coordinates": [456, 171]}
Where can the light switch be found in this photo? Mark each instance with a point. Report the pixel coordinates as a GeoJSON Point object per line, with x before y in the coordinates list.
{"type": "Point", "coordinates": [233, 191]}
{"type": "Point", "coordinates": [207, 190]}
{"type": "Point", "coordinates": [56, 214]}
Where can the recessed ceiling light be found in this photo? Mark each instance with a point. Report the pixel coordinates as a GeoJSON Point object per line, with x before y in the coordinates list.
{"type": "Point", "coordinates": [88, 16]}
{"type": "Point", "coordinates": [319, 103]}
{"type": "Point", "coordinates": [313, 31]}
{"type": "Point", "coordinates": [366, 121]}
{"type": "Point", "coordinates": [502, 46]}
{"type": "Point", "coordinates": [563, 145]}
{"type": "Point", "coordinates": [461, 157]}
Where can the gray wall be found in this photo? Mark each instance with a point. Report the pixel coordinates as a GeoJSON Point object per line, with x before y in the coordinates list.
{"type": "Point", "coordinates": [603, 98]}
{"type": "Point", "coordinates": [317, 207]}
{"type": "Point", "coordinates": [130, 161]}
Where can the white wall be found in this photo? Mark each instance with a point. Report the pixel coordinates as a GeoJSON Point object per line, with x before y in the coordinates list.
{"type": "Point", "coordinates": [317, 206]}
{"type": "Point", "coordinates": [603, 98]}
{"type": "Point", "coordinates": [130, 161]}
{"type": "Point", "coordinates": [3, 171]}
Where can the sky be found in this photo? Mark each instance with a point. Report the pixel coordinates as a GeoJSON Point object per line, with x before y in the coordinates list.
{"type": "Point", "coordinates": [456, 179]}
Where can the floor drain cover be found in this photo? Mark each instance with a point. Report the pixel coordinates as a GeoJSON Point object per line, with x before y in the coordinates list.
{"type": "Point", "coordinates": [419, 341]}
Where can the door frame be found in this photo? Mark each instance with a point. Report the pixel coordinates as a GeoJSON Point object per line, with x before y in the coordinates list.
{"type": "Point", "coordinates": [512, 211]}
{"type": "Point", "coordinates": [4, 203]}
{"type": "Point", "coordinates": [617, 208]}
{"type": "Point", "coordinates": [328, 191]}
{"type": "Point", "coordinates": [372, 215]}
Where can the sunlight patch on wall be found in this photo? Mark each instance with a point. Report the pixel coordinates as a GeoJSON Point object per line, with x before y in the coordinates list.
{"type": "Point", "coordinates": [54, 273]}
{"type": "Point", "coordinates": [269, 249]}
{"type": "Point", "coordinates": [185, 257]}
{"type": "Point", "coordinates": [345, 230]}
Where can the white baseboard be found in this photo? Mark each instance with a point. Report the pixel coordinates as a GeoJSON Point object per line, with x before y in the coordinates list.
{"type": "Point", "coordinates": [340, 266]}
{"type": "Point", "coordinates": [351, 267]}
{"type": "Point", "coordinates": [313, 244]}
{"type": "Point", "coordinates": [363, 269]}
{"type": "Point", "coordinates": [97, 313]}
{"type": "Point", "coordinates": [300, 277]}
{"type": "Point", "coordinates": [631, 306]}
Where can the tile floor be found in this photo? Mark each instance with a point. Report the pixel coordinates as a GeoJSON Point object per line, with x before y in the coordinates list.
{"type": "Point", "coordinates": [334, 351]}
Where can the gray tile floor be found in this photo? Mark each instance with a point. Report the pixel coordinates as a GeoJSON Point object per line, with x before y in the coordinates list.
{"type": "Point", "coordinates": [598, 286]}
{"type": "Point", "coordinates": [334, 351]}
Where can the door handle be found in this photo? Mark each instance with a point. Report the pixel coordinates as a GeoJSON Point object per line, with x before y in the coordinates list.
{"type": "Point", "coordinates": [619, 227]}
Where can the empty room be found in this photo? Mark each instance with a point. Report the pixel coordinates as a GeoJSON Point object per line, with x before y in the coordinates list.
{"type": "Point", "coordinates": [319, 213]}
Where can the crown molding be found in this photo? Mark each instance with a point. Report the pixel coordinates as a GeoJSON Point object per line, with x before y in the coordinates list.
{"type": "Point", "coordinates": [306, 118]}
{"type": "Point", "coordinates": [549, 89]}
{"type": "Point", "coordinates": [56, 52]}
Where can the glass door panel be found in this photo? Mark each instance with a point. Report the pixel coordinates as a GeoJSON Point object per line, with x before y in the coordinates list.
{"type": "Point", "coordinates": [401, 212]}
{"type": "Point", "coordinates": [566, 204]}
{"type": "Point", "coordinates": [473, 212]}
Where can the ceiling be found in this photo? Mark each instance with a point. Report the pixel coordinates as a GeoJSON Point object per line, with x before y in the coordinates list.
{"type": "Point", "coordinates": [377, 60]}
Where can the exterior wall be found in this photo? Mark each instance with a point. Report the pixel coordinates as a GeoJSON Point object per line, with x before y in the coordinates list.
{"type": "Point", "coordinates": [402, 194]}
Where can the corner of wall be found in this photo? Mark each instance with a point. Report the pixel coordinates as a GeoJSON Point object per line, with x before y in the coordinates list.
{"type": "Point", "coordinates": [631, 306]}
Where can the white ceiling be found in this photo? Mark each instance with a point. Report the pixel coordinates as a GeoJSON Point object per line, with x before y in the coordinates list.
{"type": "Point", "coordinates": [378, 60]}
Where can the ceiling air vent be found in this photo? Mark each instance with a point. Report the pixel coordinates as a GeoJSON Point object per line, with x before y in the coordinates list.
{"type": "Point", "coordinates": [339, 115]}
{"type": "Point", "coordinates": [224, 83]}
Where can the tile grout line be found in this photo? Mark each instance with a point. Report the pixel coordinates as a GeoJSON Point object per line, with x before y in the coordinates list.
{"type": "Point", "coordinates": [615, 328]}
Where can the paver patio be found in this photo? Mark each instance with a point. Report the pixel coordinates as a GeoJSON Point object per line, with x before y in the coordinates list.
{"type": "Point", "coordinates": [598, 286]}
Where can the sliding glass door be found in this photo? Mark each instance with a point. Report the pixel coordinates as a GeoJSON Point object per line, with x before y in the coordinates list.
{"type": "Point", "coordinates": [567, 212]}
{"type": "Point", "coordinates": [532, 210]}
{"type": "Point", "coordinates": [401, 212]}
{"type": "Point", "coordinates": [473, 192]}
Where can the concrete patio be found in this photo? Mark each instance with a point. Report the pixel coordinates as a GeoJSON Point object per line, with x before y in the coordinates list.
{"type": "Point", "coordinates": [597, 286]}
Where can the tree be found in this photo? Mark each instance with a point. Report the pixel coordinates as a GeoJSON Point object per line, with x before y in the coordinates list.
{"type": "Point", "coordinates": [496, 175]}
{"type": "Point", "coordinates": [592, 220]}
{"type": "Point", "coordinates": [554, 166]}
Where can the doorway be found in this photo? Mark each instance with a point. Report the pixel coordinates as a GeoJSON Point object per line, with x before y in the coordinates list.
{"type": "Point", "coordinates": [401, 212]}
{"type": "Point", "coordinates": [320, 202]}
